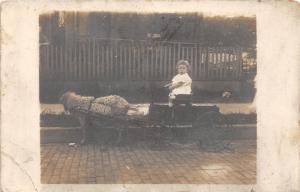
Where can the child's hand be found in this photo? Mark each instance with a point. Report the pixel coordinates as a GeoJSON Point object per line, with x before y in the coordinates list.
{"type": "Point", "coordinates": [168, 85]}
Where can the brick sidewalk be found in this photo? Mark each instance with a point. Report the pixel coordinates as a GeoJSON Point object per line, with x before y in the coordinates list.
{"type": "Point", "coordinates": [140, 164]}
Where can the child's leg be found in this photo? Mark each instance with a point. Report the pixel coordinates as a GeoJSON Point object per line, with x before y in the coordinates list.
{"type": "Point", "coordinates": [170, 102]}
{"type": "Point", "coordinates": [171, 99]}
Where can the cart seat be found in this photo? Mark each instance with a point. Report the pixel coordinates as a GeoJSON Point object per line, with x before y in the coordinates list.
{"type": "Point", "coordinates": [183, 99]}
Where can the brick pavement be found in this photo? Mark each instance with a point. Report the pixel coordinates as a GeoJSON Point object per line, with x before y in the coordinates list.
{"type": "Point", "coordinates": [141, 163]}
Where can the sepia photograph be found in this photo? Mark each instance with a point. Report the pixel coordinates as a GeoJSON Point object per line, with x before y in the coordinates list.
{"type": "Point", "coordinates": [132, 96]}
{"type": "Point", "coordinates": [147, 98]}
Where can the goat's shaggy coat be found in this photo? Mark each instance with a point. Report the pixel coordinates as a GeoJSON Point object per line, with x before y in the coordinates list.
{"type": "Point", "coordinates": [82, 107]}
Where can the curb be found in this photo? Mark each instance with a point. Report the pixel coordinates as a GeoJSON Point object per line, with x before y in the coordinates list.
{"type": "Point", "coordinates": [73, 134]}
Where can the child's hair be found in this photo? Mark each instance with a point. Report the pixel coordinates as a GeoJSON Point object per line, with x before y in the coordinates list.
{"type": "Point", "coordinates": [183, 62]}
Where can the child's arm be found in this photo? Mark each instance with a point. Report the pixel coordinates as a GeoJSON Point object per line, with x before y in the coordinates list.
{"type": "Point", "coordinates": [176, 85]}
{"type": "Point", "coordinates": [168, 85]}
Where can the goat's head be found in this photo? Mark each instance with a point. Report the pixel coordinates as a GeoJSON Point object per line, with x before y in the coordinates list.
{"type": "Point", "coordinates": [64, 99]}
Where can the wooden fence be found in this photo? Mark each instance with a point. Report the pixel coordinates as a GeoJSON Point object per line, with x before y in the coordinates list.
{"type": "Point", "coordinates": [127, 60]}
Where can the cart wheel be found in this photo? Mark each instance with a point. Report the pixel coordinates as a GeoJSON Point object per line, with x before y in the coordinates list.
{"type": "Point", "coordinates": [217, 120]}
{"type": "Point", "coordinates": [210, 131]}
{"type": "Point", "coordinates": [209, 120]}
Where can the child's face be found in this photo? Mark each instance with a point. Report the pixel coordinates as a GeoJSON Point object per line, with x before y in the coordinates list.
{"type": "Point", "coordinates": [182, 69]}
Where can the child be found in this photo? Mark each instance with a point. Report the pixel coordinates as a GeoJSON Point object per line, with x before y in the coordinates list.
{"type": "Point", "coordinates": [181, 83]}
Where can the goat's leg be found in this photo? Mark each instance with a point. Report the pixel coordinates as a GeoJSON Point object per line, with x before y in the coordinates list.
{"type": "Point", "coordinates": [84, 126]}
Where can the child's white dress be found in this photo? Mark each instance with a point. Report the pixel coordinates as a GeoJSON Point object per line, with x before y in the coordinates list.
{"type": "Point", "coordinates": [186, 88]}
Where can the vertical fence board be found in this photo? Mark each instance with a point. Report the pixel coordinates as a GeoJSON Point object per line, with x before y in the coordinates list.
{"type": "Point", "coordinates": [130, 63]}
{"type": "Point", "coordinates": [90, 66]}
{"type": "Point", "coordinates": [178, 52]}
{"type": "Point", "coordinates": [81, 62]}
{"type": "Point", "coordinates": [78, 74]}
{"type": "Point", "coordinates": [52, 56]}
{"type": "Point", "coordinates": [159, 61]}
{"type": "Point", "coordinates": [88, 56]}
{"type": "Point", "coordinates": [153, 59]}
{"type": "Point", "coordinates": [61, 64]}
{"type": "Point", "coordinates": [125, 62]}
{"type": "Point", "coordinates": [106, 63]}
{"type": "Point", "coordinates": [103, 61]}
{"type": "Point", "coordinates": [67, 63]}
{"type": "Point", "coordinates": [164, 63]}
{"type": "Point", "coordinates": [133, 55]}
{"type": "Point", "coordinates": [174, 60]}
{"type": "Point", "coordinates": [72, 59]}
{"type": "Point", "coordinates": [147, 67]}
{"type": "Point", "coordinates": [202, 58]}
{"type": "Point", "coordinates": [116, 58]}
{"type": "Point", "coordinates": [208, 63]}
{"type": "Point", "coordinates": [227, 64]}
{"type": "Point", "coordinates": [55, 63]}
{"type": "Point", "coordinates": [47, 64]}
{"type": "Point", "coordinates": [115, 61]}
{"type": "Point", "coordinates": [100, 62]}
{"type": "Point", "coordinates": [240, 65]}
{"type": "Point", "coordinates": [111, 62]}
{"type": "Point", "coordinates": [155, 71]}
{"type": "Point", "coordinates": [73, 64]}
{"type": "Point", "coordinates": [144, 62]}
{"type": "Point", "coordinates": [85, 63]}
{"type": "Point", "coordinates": [169, 69]}
{"type": "Point", "coordinates": [193, 60]}
{"type": "Point", "coordinates": [97, 61]}
{"type": "Point", "coordinates": [121, 62]}
{"type": "Point", "coordinates": [198, 61]}
{"type": "Point", "coordinates": [42, 60]}
{"type": "Point", "coordinates": [138, 62]}
{"type": "Point", "coordinates": [151, 63]}
{"type": "Point", "coordinates": [218, 64]}
{"type": "Point", "coordinates": [135, 64]}
{"type": "Point", "coordinates": [93, 60]}
{"type": "Point", "coordinates": [136, 58]}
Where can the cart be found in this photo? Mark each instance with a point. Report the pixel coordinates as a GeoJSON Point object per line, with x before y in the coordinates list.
{"type": "Point", "coordinates": [202, 123]}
